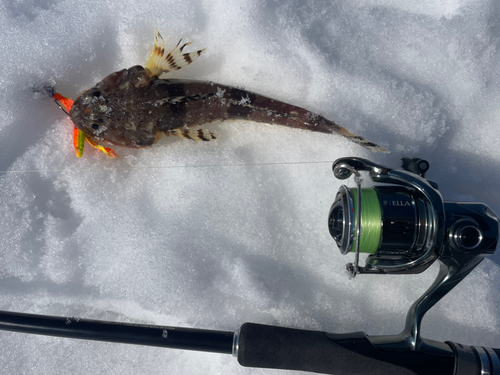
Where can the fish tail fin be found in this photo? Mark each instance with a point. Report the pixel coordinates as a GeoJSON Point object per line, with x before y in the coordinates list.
{"type": "Point", "coordinates": [373, 147]}
{"type": "Point", "coordinates": [161, 62]}
{"type": "Point", "coordinates": [193, 134]}
{"type": "Point", "coordinates": [321, 124]}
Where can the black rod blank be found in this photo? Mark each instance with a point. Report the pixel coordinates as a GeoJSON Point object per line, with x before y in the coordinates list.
{"type": "Point", "coordinates": [126, 333]}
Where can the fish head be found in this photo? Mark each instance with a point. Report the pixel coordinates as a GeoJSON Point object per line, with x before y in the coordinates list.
{"type": "Point", "coordinates": [89, 113]}
{"type": "Point", "coordinates": [113, 110]}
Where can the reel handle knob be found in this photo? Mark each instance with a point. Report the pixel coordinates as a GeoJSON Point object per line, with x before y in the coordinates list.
{"type": "Point", "coordinates": [416, 165]}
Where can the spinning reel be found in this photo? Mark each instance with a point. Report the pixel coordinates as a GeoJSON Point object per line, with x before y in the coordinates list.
{"type": "Point", "coordinates": [404, 226]}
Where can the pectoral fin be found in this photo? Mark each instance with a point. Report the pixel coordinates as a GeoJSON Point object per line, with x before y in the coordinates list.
{"type": "Point", "coordinates": [193, 134]}
{"type": "Point", "coordinates": [160, 62]}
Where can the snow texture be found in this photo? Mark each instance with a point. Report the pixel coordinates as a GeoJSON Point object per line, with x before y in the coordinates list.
{"type": "Point", "coordinates": [215, 234]}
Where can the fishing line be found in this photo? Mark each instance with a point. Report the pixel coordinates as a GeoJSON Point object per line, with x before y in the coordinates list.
{"type": "Point", "coordinates": [172, 166]}
{"type": "Point", "coordinates": [371, 219]}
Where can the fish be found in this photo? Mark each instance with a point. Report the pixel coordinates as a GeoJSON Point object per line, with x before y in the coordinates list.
{"type": "Point", "coordinates": [134, 107]}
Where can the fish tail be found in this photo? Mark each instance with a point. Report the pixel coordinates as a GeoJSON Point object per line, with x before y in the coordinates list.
{"type": "Point", "coordinates": [253, 107]}
{"type": "Point", "coordinates": [332, 127]}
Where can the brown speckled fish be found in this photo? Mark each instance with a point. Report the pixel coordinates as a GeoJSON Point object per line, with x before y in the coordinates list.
{"type": "Point", "coordinates": [134, 107]}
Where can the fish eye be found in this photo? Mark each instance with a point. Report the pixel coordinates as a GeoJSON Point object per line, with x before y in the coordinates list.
{"type": "Point", "coordinates": [96, 94]}
{"type": "Point", "coordinates": [95, 126]}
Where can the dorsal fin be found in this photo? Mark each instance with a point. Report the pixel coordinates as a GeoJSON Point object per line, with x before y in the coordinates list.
{"type": "Point", "coordinates": [160, 62]}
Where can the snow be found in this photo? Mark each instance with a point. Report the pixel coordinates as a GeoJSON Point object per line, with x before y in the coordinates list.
{"type": "Point", "coordinates": [212, 235]}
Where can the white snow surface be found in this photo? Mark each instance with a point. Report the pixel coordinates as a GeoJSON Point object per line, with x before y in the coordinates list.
{"type": "Point", "coordinates": [212, 235]}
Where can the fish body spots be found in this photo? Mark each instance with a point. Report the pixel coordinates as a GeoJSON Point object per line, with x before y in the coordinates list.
{"type": "Point", "coordinates": [239, 103]}
{"type": "Point", "coordinates": [220, 92]}
{"type": "Point", "coordinates": [100, 129]}
{"type": "Point", "coordinates": [130, 126]}
{"type": "Point", "coordinates": [124, 86]}
{"type": "Point", "coordinates": [179, 99]}
{"type": "Point", "coordinates": [242, 96]}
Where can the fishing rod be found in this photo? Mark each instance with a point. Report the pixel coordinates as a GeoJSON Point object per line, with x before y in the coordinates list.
{"type": "Point", "coordinates": [405, 226]}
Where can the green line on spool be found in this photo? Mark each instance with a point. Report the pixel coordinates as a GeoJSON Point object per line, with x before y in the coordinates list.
{"type": "Point", "coordinates": [371, 220]}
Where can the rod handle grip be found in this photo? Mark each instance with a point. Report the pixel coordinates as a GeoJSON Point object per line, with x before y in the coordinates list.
{"type": "Point", "coordinates": [295, 349]}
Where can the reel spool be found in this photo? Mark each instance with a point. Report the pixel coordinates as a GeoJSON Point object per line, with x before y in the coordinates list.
{"type": "Point", "coordinates": [406, 225]}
